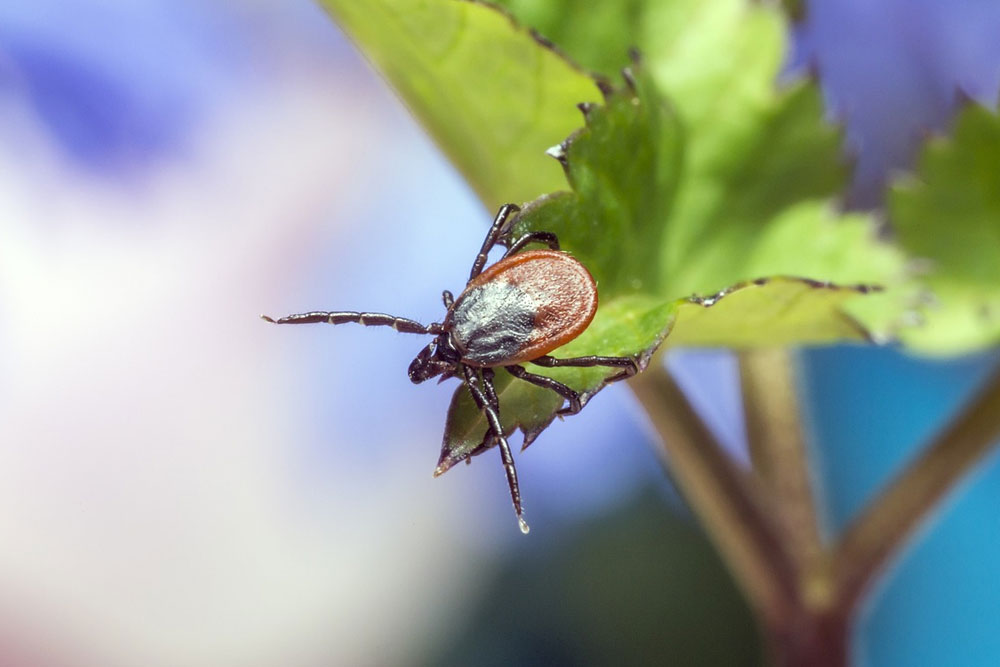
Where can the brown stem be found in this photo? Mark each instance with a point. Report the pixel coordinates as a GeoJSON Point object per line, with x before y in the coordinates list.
{"type": "Point", "coordinates": [724, 497]}
{"type": "Point", "coordinates": [818, 639]}
{"type": "Point", "coordinates": [780, 457]}
{"type": "Point", "coordinates": [878, 534]}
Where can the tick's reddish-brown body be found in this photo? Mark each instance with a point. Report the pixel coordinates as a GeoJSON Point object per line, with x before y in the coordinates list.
{"type": "Point", "coordinates": [522, 308]}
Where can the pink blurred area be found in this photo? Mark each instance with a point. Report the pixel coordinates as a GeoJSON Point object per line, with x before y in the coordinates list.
{"type": "Point", "coordinates": [167, 495]}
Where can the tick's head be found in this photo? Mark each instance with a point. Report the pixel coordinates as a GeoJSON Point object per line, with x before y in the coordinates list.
{"type": "Point", "coordinates": [438, 358]}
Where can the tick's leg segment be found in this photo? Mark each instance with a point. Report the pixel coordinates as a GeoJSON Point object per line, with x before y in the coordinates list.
{"type": "Point", "coordinates": [493, 418]}
{"type": "Point", "coordinates": [568, 393]}
{"type": "Point", "coordinates": [496, 229]}
{"type": "Point", "coordinates": [548, 238]}
{"type": "Point", "coordinates": [628, 365]}
{"type": "Point", "coordinates": [489, 389]}
{"type": "Point", "coordinates": [491, 396]}
{"type": "Point", "coordinates": [367, 319]}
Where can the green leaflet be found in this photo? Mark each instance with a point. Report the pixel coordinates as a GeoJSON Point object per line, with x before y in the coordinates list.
{"type": "Point", "coordinates": [948, 217]}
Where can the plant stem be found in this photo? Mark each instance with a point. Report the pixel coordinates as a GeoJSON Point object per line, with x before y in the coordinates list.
{"type": "Point", "coordinates": [724, 497]}
{"type": "Point", "coordinates": [780, 457]}
{"type": "Point", "coordinates": [765, 525]}
{"type": "Point", "coordinates": [813, 639]}
{"type": "Point", "coordinates": [879, 533]}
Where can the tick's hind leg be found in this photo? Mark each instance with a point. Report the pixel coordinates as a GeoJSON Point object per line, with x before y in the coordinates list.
{"type": "Point", "coordinates": [628, 365]}
{"type": "Point", "coordinates": [568, 393]}
{"type": "Point", "coordinates": [486, 401]}
{"type": "Point", "coordinates": [492, 237]}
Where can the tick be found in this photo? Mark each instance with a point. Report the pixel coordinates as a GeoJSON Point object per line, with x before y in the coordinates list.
{"type": "Point", "coordinates": [514, 312]}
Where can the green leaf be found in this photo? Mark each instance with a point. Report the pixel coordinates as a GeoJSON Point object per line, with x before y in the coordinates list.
{"type": "Point", "coordinates": [949, 217]}
{"type": "Point", "coordinates": [769, 312]}
{"type": "Point", "coordinates": [716, 60]}
{"type": "Point", "coordinates": [627, 168]}
{"type": "Point", "coordinates": [777, 311]}
{"type": "Point", "coordinates": [492, 96]}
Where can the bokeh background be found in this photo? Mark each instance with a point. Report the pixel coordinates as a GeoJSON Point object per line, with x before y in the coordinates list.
{"type": "Point", "coordinates": [181, 484]}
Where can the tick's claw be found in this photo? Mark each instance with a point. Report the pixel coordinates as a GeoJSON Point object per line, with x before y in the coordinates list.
{"type": "Point", "coordinates": [523, 525]}
{"type": "Point", "coordinates": [268, 318]}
